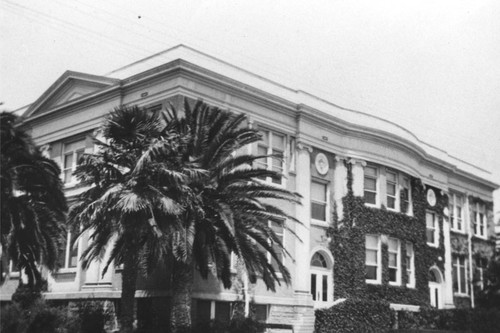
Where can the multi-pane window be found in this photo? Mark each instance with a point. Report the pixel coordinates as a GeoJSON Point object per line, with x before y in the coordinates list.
{"type": "Point", "coordinates": [391, 178]}
{"type": "Point", "coordinates": [370, 184]}
{"type": "Point", "coordinates": [406, 189]}
{"type": "Point", "coordinates": [68, 258]}
{"type": "Point", "coordinates": [319, 201]}
{"type": "Point", "coordinates": [456, 212]}
{"type": "Point", "coordinates": [459, 274]}
{"type": "Point", "coordinates": [479, 220]}
{"type": "Point", "coordinates": [410, 265]}
{"type": "Point", "coordinates": [277, 227]}
{"type": "Point", "coordinates": [272, 144]}
{"type": "Point", "coordinates": [481, 264]}
{"type": "Point", "coordinates": [373, 262]}
{"type": "Point", "coordinates": [432, 229]}
{"type": "Point", "coordinates": [72, 153]}
{"type": "Point", "coordinates": [394, 261]}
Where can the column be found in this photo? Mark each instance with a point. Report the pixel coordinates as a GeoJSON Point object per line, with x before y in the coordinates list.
{"type": "Point", "coordinates": [358, 176]}
{"type": "Point", "coordinates": [340, 184]}
{"type": "Point", "coordinates": [448, 285]}
{"type": "Point", "coordinates": [303, 214]}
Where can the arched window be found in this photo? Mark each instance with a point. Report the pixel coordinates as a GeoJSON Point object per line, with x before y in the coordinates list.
{"type": "Point", "coordinates": [318, 260]}
{"type": "Point", "coordinates": [434, 276]}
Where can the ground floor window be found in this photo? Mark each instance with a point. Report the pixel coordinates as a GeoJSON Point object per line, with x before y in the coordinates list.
{"type": "Point", "coordinates": [207, 310]}
{"type": "Point", "coordinates": [459, 274]}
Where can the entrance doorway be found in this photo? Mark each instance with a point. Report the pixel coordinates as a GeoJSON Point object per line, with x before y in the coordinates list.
{"type": "Point", "coordinates": [436, 288]}
{"type": "Point", "coordinates": [321, 280]}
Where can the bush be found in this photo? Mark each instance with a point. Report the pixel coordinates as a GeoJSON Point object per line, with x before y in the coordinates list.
{"type": "Point", "coordinates": [471, 320]}
{"type": "Point", "coordinates": [353, 316]}
{"type": "Point", "coordinates": [92, 317]}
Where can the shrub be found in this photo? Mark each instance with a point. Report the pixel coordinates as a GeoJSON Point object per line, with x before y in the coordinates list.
{"type": "Point", "coordinates": [92, 317]}
{"type": "Point", "coordinates": [471, 320]}
{"type": "Point", "coordinates": [353, 316]}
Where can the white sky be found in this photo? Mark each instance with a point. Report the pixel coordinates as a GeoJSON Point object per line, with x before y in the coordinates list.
{"type": "Point", "coordinates": [430, 66]}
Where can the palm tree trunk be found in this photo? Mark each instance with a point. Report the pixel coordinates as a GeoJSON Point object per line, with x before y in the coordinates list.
{"type": "Point", "coordinates": [182, 287]}
{"type": "Point", "coordinates": [129, 279]}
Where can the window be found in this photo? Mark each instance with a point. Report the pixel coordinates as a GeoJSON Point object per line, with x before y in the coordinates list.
{"type": "Point", "coordinates": [481, 264]}
{"type": "Point", "coordinates": [459, 274]}
{"type": "Point", "coordinates": [456, 217]}
{"type": "Point", "coordinates": [394, 262]}
{"type": "Point", "coordinates": [387, 187]}
{"type": "Point", "coordinates": [406, 195]}
{"type": "Point", "coordinates": [272, 144]}
{"type": "Point", "coordinates": [277, 227]}
{"type": "Point", "coordinates": [212, 310]}
{"type": "Point", "coordinates": [432, 229]}
{"type": "Point", "coordinates": [318, 201]}
{"type": "Point", "coordinates": [391, 186]}
{"type": "Point", "coordinates": [72, 153]}
{"type": "Point", "coordinates": [373, 274]}
{"type": "Point", "coordinates": [68, 259]}
{"type": "Point", "coordinates": [479, 220]}
{"type": "Point", "coordinates": [370, 185]}
{"type": "Point", "coordinates": [410, 265]}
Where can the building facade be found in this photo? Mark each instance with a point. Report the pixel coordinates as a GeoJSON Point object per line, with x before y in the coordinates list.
{"type": "Point", "coordinates": [384, 215]}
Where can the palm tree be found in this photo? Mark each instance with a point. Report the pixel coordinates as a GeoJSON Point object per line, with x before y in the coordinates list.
{"type": "Point", "coordinates": [129, 204]}
{"type": "Point", "coordinates": [228, 207]}
{"type": "Point", "coordinates": [33, 205]}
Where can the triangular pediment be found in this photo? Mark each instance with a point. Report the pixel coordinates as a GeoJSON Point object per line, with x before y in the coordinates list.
{"type": "Point", "coordinates": [69, 87]}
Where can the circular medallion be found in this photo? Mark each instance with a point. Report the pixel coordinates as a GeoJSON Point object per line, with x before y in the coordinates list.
{"type": "Point", "coordinates": [431, 197]}
{"type": "Point", "coordinates": [321, 163]}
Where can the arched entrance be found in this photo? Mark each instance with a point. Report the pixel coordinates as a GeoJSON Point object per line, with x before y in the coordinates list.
{"type": "Point", "coordinates": [436, 287]}
{"type": "Point", "coordinates": [321, 279]}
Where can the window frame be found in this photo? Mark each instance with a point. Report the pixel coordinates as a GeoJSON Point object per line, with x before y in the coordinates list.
{"type": "Point", "coordinates": [66, 268]}
{"type": "Point", "coordinates": [397, 206]}
{"type": "Point", "coordinates": [268, 164]}
{"type": "Point", "coordinates": [436, 229]}
{"type": "Point", "coordinates": [457, 220]}
{"type": "Point", "coordinates": [378, 280]}
{"type": "Point", "coordinates": [377, 185]}
{"type": "Point", "coordinates": [456, 265]}
{"type": "Point", "coordinates": [269, 257]}
{"type": "Point", "coordinates": [410, 271]}
{"type": "Point", "coordinates": [480, 221]}
{"type": "Point", "coordinates": [74, 155]}
{"type": "Point", "coordinates": [326, 203]}
{"type": "Point", "coordinates": [213, 309]}
{"type": "Point", "coordinates": [398, 261]}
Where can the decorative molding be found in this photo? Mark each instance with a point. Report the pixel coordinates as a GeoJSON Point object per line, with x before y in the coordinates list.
{"type": "Point", "coordinates": [356, 161]}
{"type": "Point", "coordinates": [303, 146]}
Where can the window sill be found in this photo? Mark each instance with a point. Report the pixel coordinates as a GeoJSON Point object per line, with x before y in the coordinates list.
{"type": "Point", "coordinates": [462, 232]}
{"type": "Point", "coordinates": [461, 295]}
{"type": "Point", "coordinates": [480, 237]}
{"type": "Point", "coordinates": [372, 205]}
{"type": "Point", "coordinates": [433, 245]}
{"type": "Point", "coordinates": [373, 281]}
{"type": "Point", "coordinates": [66, 271]}
{"type": "Point", "coordinates": [395, 284]}
{"type": "Point", "coordinates": [410, 286]}
{"type": "Point", "coordinates": [320, 223]}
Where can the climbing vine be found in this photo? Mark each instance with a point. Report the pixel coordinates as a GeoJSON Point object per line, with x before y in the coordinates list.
{"type": "Point", "coordinates": [348, 245]}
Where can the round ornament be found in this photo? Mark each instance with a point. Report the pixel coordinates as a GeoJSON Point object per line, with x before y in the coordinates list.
{"type": "Point", "coordinates": [321, 163]}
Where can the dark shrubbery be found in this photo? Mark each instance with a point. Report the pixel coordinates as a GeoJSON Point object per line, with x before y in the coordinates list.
{"type": "Point", "coordinates": [470, 320]}
{"type": "Point", "coordinates": [236, 325]}
{"type": "Point", "coordinates": [354, 316]}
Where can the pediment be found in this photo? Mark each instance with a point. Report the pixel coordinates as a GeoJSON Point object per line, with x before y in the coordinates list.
{"type": "Point", "coordinates": [69, 87]}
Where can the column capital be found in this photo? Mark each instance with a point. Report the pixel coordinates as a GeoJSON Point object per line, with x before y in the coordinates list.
{"type": "Point", "coordinates": [339, 158]}
{"type": "Point", "coordinates": [356, 161]}
{"type": "Point", "coordinates": [45, 150]}
{"type": "Point", "coordinates": [303, 146]}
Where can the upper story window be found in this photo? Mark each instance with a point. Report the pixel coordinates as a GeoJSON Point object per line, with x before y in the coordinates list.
{"type": "Point", "coordinates": [277, 227]}
{"type": "Point", "coordinates": [456, 212]}
{"type": "Point", "coordinates": [68, 258]}
{"type": "Point", "coordinates": [72, 153]}
{"type": "Point", "coordinates": [319, 195]}
{"type": "Point", "coordinates": [432, 227]}
{"type": "Point", "coordinates": [459, 264]}
{"type": "Point", "coordinates": [478, 217]}
{"type": "Point", "coordinates": [394, 261]}
{"type": "Point", "coordinates": [373, 259]}
{"type": "Point", "coordinates": [370, 184]}
{"type": "Point", "coordinates": [387, 187]}
{"type": "Point", "coordinates": [410, 265]}
{"type": "Point", "coordinates": [272, 144]}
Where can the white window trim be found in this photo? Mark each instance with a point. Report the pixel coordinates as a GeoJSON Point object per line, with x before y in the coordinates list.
{"type": "Point", "coordinates": [397, 193]}
{"type": "Point", "coordinates": [377, 185]}
{"type": "Point", "coordinates": [12, 272]}
{"type": "Point", "coordinates": [454, 199]}
{"type": "Point", "coordinates": [327, 203]}
{"type": "Point", "coordinates": [269, 257]}
{"type": "Point", "coordinates": [269, 159]}
{"type": "Point", "coordinates": [480, 209]}
{"type": "Point", "coordinates": [73, 181]}
{"type": "Point", "coordinates": [411, 281]}
{"type": "Point", "coordinates": [379, 261]}
{"type": "Point", "coordinates": [436, 229]}
{"type": "Point", "coordinates": [456, 262]}
{"type": "Point", "coordinates": [67, 255]}
{"type": "Point", "coordinates": [409, 209]}
{"type": "Point", "coordinates": [398, 263]}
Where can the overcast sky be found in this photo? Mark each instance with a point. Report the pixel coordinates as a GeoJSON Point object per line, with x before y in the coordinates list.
{"type": "Point", "coordinates": [430, 66]}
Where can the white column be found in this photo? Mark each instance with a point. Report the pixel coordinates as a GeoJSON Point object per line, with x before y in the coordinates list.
{"type": "Point", "coordinates": [358, 175]}
{"type": "Point", "coordinates": [340, 184]}
{"type": "Point", "coordinates": [448, 285]}
{"type": "Point", "coordinates": [303, 214]}
{"type": "Point", "coordinates": [469, 249]}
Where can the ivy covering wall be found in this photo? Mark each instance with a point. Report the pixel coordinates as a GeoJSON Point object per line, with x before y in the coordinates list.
{"type": "Point", "coordinates": [348, 246]}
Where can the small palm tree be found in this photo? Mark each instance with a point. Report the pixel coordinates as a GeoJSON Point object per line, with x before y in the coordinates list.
{"type": "Point", "coordinates": [33, 205]}
{"type": "Point", "coordinates": [228, 207]}
{"type": "Point", "coordinates": [129, 204]}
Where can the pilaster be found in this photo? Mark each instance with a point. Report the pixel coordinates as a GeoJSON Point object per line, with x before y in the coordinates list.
{"type": "Point", "coordinates": [357, 176]}
{"type": "Point", "coordinates": [340, 184]}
